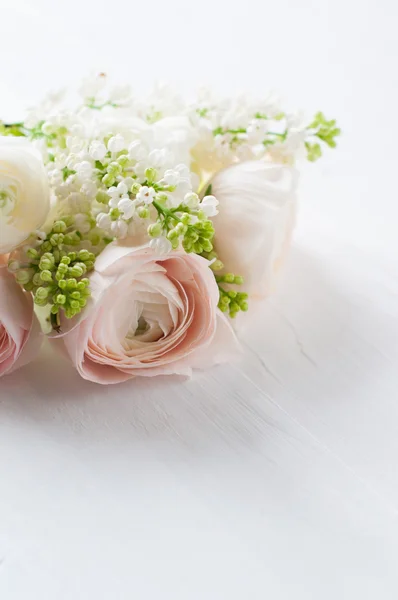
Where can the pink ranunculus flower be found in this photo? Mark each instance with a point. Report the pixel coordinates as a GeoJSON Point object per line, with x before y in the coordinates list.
{"type": "Point", "coordinates": [149, 315]}
{"type": "Point", "coordinates": [20, 332]}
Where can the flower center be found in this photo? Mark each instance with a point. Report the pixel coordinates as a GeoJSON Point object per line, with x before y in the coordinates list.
{"type": "Point", "coordinates": [142, 327]}
{"type": "Point", "coordinates": [8, 199]}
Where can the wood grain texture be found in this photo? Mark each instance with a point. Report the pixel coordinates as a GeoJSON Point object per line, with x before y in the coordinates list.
{"type": "Point", "coordinates": [273, 478]}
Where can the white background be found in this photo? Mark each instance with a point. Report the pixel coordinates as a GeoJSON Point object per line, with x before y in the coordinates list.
{"type": "Point", "coordinates": [275, 479]}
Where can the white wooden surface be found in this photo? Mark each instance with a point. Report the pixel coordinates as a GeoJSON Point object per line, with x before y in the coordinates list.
{"type": "Point", "coordinates": [276, 478]}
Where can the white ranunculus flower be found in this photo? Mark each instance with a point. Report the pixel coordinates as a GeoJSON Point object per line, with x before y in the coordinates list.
{"type": "Point", "coordinates": [24, 192]}
{"type": "Point", "coordinates": [255, 221]}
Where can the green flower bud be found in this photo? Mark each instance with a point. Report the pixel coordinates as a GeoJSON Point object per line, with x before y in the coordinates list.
{"type": "Point", "coordinates": [13, 266]}
{"type": "Point", "coordinates": [42, 293]}
{"type": "Point", "coordinates": [95, 239]}
{"type": "Point", "coordinates": [114, 214]}
{"type": "Point", "coordinates": [155, 229]}
{"type": "Point", "coordinates": [217, 265]}
{"type": "Point", "coordinates": [135, 188]}
{"type": "Point", "coordinates": [46, 276]}
{"type": "Point", "coordinates": [172, 235]}
{"type": "Point", "coordinates": [123, 160]}
{"type": "Point", "coordinates": [32, 253]}
{"type": "Point", "coordinates": [47, 247]}
{"type": "Point", "coordinates": [114, 169]}
{"type": "Point", "coordinates": [84, 255]}
{"type": "Point", "coordinates": [45, 264]}
{"type": "Point", "coordinates": [180, 228]}
{"type": "Point", "coordinates": [56, 239]}
{"type": "Point", "coordinates": [150, 174]}
{"type": "Point", "coordinates": [108, 180]}
{"type": "Point", "coordinates": [233, 309]}
{"type": "Point", "coordinates": [37, 280]}
{"type": "Point", "coordinates": [102, 197]}
{"type": "Point", "coordinates": [60, 299]}
{"type": "Point", "coordinates": [143, 212]}
{"type": "Point", "coordinates": [76, 271]}
{"type": "Point", "coordinates": [207, 245]}
{"type": "Point", "coordinates": [185, 219]}
{"type": "Point", "coordinates": [81, 286]}
{"type": "Point", "coordinates": [161, 198]}
{"type": "Point", "coordinates": [62, 268]}
{"type": "Point", "coordinates": [187, 245]}
{"type": "Point", "coordinates": [59, 227]}
{"type": "Point", "coordinates": [39, 301]}
{"type": "Point", "coordinates": [198, 248]}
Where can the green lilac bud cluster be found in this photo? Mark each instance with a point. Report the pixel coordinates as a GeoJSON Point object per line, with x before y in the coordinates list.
{"type": "Point", "coordinates": [230, 301]}
{"type": "Point", "coordinates": [55, 272]}
{"type": "Point", "coordinates": [326, 131]}
{"type": "Point", "coordinates": [189, 227]}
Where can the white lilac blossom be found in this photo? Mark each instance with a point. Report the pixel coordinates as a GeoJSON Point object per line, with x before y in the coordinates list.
{"type": "Point", "coordinates": [129, 171]}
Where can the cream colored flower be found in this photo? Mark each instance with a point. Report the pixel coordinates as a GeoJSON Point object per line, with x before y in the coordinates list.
{"type": "Point", "coordinates": [24, 192]}
{"type": "Point", "coordinates": [257, 206]}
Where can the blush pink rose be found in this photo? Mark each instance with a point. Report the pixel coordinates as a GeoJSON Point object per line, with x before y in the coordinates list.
{"type": "Point", "coordinates": [20, 333]}
{"type": "Point", "coordinates": [149, 315]}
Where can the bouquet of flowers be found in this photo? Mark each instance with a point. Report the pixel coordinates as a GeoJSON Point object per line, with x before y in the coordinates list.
{"type": "Point", "coordinates": [133, 230]}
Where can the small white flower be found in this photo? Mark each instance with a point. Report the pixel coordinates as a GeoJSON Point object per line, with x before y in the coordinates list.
{"type": "Point", "coordinates": [136, 150]}
{"type": "Point", "coordinates": [55, 177]}
{"type": "Point", "coordinates": [171, 177]}
{"type": "Point", "coordinates": [146, 195]}
{"type": "Point", "coordinates": [117, 193]}
{"type": "Point", "coordinates": [120, 94]}
{"type": "Point", "coordinates": [89, 188]}
{"type": "Point", "coordinates": [77, 130]}
{"type": "Point", "coordinates": [161, 245]}
{"type": "Point", "coordinates": [127, 207]}
{"type": "Point", "coordinates": [104, 221]}
{"type": "Point", "coordinates": [60, 161]}
{"type": "Point", "coordinates": [71, 161]}
{"type": "Point", "coordinates": [97, 150]}
{"type": "Point", "coordinates": [209, 206]}
{"type": "Point", "coordinates": [74, 144]}
{"type": "Point", "coordinates": [92, 86]}
{"type": "Point", "coordinates": [82, 223]}
{"type": "Point", "coordinates": [191, 200]}
{"type": "Point", "coordinates": [116, 143]}
{"type": "Point", "coordinates": [128, 182]}
{"type": "Point", "coordinates": [256, 131]}
{"type": "Point", "coordinates": [78, 203]}
{"type": "Point", "coordinates": [84, 169]}
{"type": "Point", "coordinates": [119, 228]}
